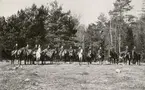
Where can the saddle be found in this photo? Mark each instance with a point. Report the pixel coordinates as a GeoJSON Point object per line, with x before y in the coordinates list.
{"type": "Point", "coordinates": [14, 52]}
{"type": "Point", "coordinates": [49, 53]}
{"type": "Point", "coordinates": [99, 56]}
{"type": "Point", "coordinates": [71, 52]}
{"type": "Point", "coordinates": [34, 52]}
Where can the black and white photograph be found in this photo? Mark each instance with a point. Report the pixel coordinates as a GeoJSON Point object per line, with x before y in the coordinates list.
{"type": "Point", "coordinates": [72, 44]}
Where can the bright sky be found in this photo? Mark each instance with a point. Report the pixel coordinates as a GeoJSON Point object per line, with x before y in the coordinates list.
{"type": "Point", "coordinates": [88, 10]}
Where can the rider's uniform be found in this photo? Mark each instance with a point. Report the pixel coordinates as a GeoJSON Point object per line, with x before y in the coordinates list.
{"type": "Point", "coordinates": [133, 54]}
{"type": "Point", "coordinates": [133, 51]}
{"type": "Point", "coordinates": [70, 52]}
{"type": "Point", "coordinates": [127, 54]}
{"type": "Point", "coordinates": [99, 53]}
{"type": "Point", "coordinates": [89, 53]}
{"type": "Point", "coordinates": [34, 50]}
{"type": "Point", "coordinates": [60, 51]}
{"type": "Point", "coordinates": [80, 51]}
{"type": "Point", "coordinates": [15, 48]}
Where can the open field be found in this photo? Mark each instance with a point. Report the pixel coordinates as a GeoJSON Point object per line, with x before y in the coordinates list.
{"type": "Point", "coordinates": [71, 77]}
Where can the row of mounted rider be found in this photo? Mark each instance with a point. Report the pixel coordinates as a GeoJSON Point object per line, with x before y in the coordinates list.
{"type": "Point", "coordinates": [127, 57]}
{"type": "Point", "coordinates": [71, 54]}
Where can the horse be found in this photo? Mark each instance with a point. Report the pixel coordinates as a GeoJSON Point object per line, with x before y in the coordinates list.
{"type": "Point", "coordinates": [90, 57]}
{"type": "Point", "coordinates": [63, 55]}
{"type": "Point", "coordinates": [13, 55]}
{"type": "Point", "coordinates": [80, 56]}
{"type": "Point", "coordinates": [26, 55]}
{"type": "Point", "coordinates": [126, 57]}
{"type": "Point", "coordinates": [29, 56]}
{"type": "Point", "coordinates": [75, 56]}
{"type": "Point", "coordinates": [38, 54]}
{"type": "Point", "coordinates": [47, 55]}
{"type": "Point", "coordinates": [71, 55]}
{"type": "Point", "coordinates": [55, 55]}
{"type": "Point", "coordinates": [100, 56]}
{"type": "Point", "coordinates": [16, 54]}
{"type": "Point", "coordinates": [113, 57]}
{"type": "Point", "coordinates": [136, 57]}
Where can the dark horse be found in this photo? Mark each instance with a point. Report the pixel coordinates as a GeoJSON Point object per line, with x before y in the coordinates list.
{"type": "Point", "coordinates": [113, 57]}
{"type": "Point", "coordinates": [16, 54]}
{"type": "Point", "coordinates": [126, 56]}
{"type": "Point", "coordinates": [136, 58]}
{"type": "Point", "coordinates": [63, 55]}
{"type": "Point", "coordinates": [47, 55]}
{"type": "Point", "coordinates": [100, 56]}
{"type": "Point", "coordinates": [71, 55]}
{"type": "Point", "coordinates": [90, 56]}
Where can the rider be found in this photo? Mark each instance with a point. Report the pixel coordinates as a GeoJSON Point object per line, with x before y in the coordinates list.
{"type": "Point", "coordinates": [61, 47]}
{"type": "Point", "coordinates": [16, 47]}
{"type": "Point", "coordinates": [80, 50]}
{"type": "Point", "coordinates": [70, 51]}
{"type": "Point", "coordinates": [38, 54]}
{"type": "Point", "coordinates": [127, 50]}
{"type": "Point", "coordinates": [27, 47]}
{"type": "Point", "coordinates": [35, 48]}
{"type": "Point", "coordinates": [127, 54]}
{"type": "Point", "coordinates": [90, 48]}
{"type": "Point", "coordinates": [48, 47]}
{"type": "Point", "coordinates": [133, 52]}
{"type": "Point", "coordinates": [99, 52]}
{"type": "Point", "coordinates": [100, 55]}
{"type": "Point", "coordinates": [39, 48]}
{"type": "Point", "coordinates": [89, 51]}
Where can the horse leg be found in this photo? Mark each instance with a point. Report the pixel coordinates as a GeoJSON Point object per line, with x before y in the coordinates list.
{"type": "Point", "coordinates": [90, 60]}
{"type": "Point", "coordinates": [80, 59]}
{"type": "Point", "coordinates": [52, 59]}
{"type": "Point", "coordinates": [129, 61]}
{"type": "Point", "coordinates": [18, 60]}
{"type": "Point", "coordinates": [30, 60]}
{"type": "Point", "coordinates": [25, 60]}
{"type": "Point", "coordinates": [117, 61]}
{"type": "Point", "coordinates": [34, 60]}
{"type": "Point", "coordinates": [138, 61]}
{"type": "Point", "coordinates": [70, 59]}
{"type": "Point", "coordinates": [125, 61]}
{"type": "Point", "coordinates": [112, 60]}
{"type": "Point", "coordinates": [12, 60]}
{"type": "Point", "coordinates": [37, 61]}
{"type": "Point", "coordinates": [102, 60]}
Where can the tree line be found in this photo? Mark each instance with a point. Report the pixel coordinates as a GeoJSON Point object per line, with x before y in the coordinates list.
{"type": "Point", "coordinates": [39, 25]}
{"type": "Point", "coordinates": [120, 30]}
{"type": "Point", "coordinates": [50, 24]}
